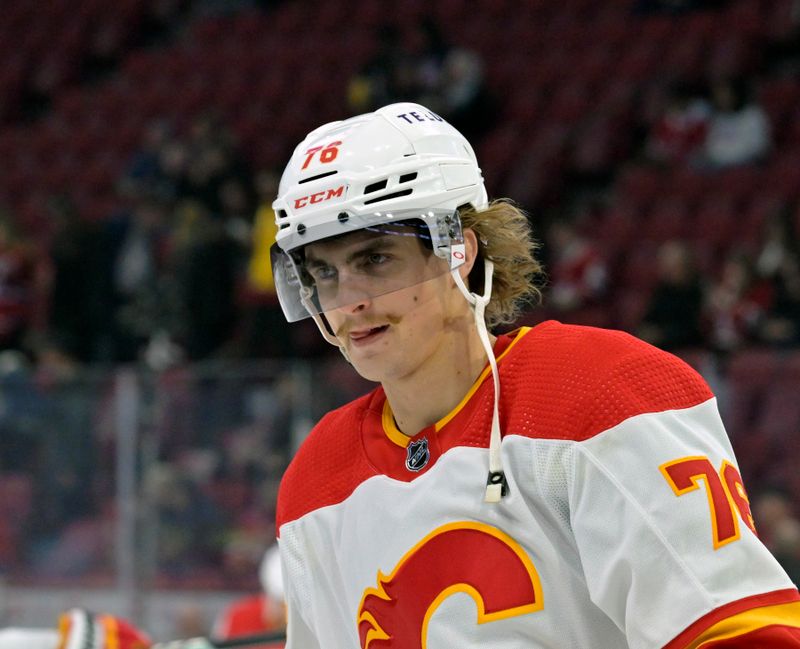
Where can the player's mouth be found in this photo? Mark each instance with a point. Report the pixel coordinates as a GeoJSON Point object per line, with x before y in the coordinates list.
{"type": "Point", "coordinates": [362, 337]}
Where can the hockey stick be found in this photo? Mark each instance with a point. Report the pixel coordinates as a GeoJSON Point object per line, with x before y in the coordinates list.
{"type": "Point", "coordinates": [248, 640]}
{"type": "Point", "coordinates": [230, 643]}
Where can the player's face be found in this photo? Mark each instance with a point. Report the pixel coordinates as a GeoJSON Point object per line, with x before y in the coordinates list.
{"type": "Point", "coordinates": [385, 334]}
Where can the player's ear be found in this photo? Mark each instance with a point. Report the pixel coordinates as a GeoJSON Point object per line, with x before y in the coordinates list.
{"type": "Point", "coordinates": [471, 252]}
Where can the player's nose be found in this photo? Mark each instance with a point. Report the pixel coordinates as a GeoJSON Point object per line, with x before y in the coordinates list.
{"type": "Point", "coordinates": [354, 294]}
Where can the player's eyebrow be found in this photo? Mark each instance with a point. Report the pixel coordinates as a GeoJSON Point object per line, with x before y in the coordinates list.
{"type": "Point", "coordinates": [376, 244]}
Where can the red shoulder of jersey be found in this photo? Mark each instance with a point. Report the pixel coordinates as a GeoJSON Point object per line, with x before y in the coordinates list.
{"type": "Point", "coordinates": [330, 463]}
{"type": "Point", "coordinates": [573, 382]}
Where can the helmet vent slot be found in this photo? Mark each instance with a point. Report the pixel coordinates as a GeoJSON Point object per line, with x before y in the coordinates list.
{"type": "Point", "coordinates": [386, 197]}
{"type": "Point", "coordinates": [407, 177]}
{"type": "Point", "coordinates": [374, 187]}
{"type": "Point", "coordinates": [317, 177]}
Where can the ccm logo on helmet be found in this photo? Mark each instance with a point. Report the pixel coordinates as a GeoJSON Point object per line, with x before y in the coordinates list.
{"type": "Point", "coordinates": [318, 197]}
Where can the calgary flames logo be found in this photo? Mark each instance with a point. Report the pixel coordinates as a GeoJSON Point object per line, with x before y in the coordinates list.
{"type": "Point", "coordinates": [466, 557]}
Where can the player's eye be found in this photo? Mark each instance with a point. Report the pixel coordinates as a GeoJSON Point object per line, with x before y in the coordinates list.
{"type": "Point", "coordinates": [378, 258]}
{"type": "Point", "coordinates": [375, 259]}
{"type": "Point", "coordinates": [322, 273]}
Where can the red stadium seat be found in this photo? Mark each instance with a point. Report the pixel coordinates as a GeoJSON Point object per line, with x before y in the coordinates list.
{"type": "Point", "coordinates": [715, 221]}
{"type": "Point", "coordinates": [629, 308]}
{"type": "Point", "coordinates": [668, 219]}
{"type": "Point", "coordinates": [640, 184]}
{"type": "Point", "coordinates": [750, 374]}
{"type": "Point", "coordinates": [639, 270]}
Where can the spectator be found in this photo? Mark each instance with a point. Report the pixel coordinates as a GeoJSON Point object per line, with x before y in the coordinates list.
{"type": "Point", "coordinates": [738, 131]}
{"type": "Point", "coordinates": [212, 160]}
{"type": "Point", "coordinates": [778, 262]}
{"type": "Point", "coordinates": [266, 332]}
{"type": "Point", "coordinates": [779, 243]}
{"type": "Point", "coordinates": [145, 167]}
{"type": "Point", "coordinates": [428, 49]}
{"type": "Point", "coordinates": [463, 98]}
{"type": "Point", "coordinates": [782, 323]}
{"type": "Point", "coordinates": [578, 273]}
{"type": "Point", "coordinates": [206, 280]}
{"type": "Point", "coordinates": [782, 49]}
{"type": "Point", "coordinates": [736, 304]}
{"type": "Point", "coordinates": [678, 135]}
{"type": "Point", "coordinates": [134, 245]}
{"type": "Point", "coordinates": [76, 305]}
{"type": "Point", "coordinates": [259, 613]}
{"type": "Point", "coordinates": [374, 83]}
{"type": "Point", "coordinates": [17, 285]}
{"type": "Point", "coordinates": [673, 316]}
{"type": "Point", "coordinates": [780, 529]}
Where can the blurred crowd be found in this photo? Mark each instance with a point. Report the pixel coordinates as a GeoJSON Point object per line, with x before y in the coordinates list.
{"type": "Point", "coordinates": [723, 300]}
{"type": "Point", "coordinates": [178, 273]}
{"type": "Point", "coordinates": [752, 299]}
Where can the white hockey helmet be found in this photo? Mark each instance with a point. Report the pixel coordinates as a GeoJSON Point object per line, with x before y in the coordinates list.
{"type": "Point", "coordinates": [402, 163]}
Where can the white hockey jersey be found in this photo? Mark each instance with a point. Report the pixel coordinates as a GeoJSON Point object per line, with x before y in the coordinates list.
{"type": "Point", "coordinates": [626, 523]}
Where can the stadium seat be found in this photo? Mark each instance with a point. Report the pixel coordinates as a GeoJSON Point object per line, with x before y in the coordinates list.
{"type": "Point", "coordinates": [639, 269]}
{"type": "Point", "coordinates": [714, 222]}
{"type": "Point", "coordinates": [750, 374]}
{"type": "Point", "coordinates": [668, 219]}
{"type": "Point", "coordinates": [629, 308]}
{"type": "Point", "coordinates": [640, 184]}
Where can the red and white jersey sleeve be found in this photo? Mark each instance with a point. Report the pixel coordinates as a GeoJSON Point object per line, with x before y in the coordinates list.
{"type": "Point", "coordinates": [626, 524]}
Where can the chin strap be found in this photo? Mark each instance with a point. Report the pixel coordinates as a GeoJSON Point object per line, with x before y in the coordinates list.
{"type": "Point", "coordinates": [305, 298]}
{"type": "Point", "coordinates": [496, 484]}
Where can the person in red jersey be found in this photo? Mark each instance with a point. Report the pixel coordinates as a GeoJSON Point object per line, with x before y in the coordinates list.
{"type": "Point", "coordinates": [257, 614]}
{"type": "Point", "coordinates": [78, 629]}
{"type": "Point", "coordinates": [250, 620]}
{"type": "Point", "coordinates": [553, 487]}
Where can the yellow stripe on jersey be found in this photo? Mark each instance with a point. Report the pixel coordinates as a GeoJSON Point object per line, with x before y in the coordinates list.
{"type": "Point", "coordinates": [391, 429]}
{"type": "Point", "coordinates": [487, 370]}
{"type": "Point", "coordinates": [747, 622]}
{"type": "Point", "coordinates": [397, 436]}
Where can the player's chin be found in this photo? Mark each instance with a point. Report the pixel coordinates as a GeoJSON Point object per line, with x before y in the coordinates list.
{"type": "Point", "coordinates": [368, 369]}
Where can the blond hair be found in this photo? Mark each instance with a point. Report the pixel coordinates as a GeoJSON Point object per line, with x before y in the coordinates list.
{"type": "Point", "coordinates": [504, 236]}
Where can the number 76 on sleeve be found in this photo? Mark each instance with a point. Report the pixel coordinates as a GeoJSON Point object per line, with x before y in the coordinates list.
{"type": "Point", "coordinates": [727, 498]}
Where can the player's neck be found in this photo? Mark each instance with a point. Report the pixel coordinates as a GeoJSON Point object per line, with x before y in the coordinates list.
{"type": "Point", "coordinates": [435, 389]}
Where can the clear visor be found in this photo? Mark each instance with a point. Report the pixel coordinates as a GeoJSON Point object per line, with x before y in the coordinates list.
{"type": "Point", "coordinates": [374, 257]}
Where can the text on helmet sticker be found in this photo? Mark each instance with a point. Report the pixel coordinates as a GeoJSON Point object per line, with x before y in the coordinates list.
{"type": "Point", "coordinates": [327, 153]}
{"type": "Point", "coordinates": [318, 197]}
{"type": "Point", "coordinates": [413, 117]}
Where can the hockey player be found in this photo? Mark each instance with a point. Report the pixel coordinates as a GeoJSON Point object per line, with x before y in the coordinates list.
{"type": "Point", "coordinates": [256, 614]}
{"type": "Point", "coordinates": [244, 619]}
{"type": "Point", "coordinates": [78, 629]}
{"type": "Point", "coordinates": [556, 487]}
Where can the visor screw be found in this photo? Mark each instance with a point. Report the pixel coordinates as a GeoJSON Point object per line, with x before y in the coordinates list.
{"type": "Point", "coordinates": [301, 229]}
{"type": "Point", "coordinates": [343, 217]}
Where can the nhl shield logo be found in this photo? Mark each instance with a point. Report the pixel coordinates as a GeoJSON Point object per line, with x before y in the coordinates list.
{"type": "Point", "coordinates": [417, 455]}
